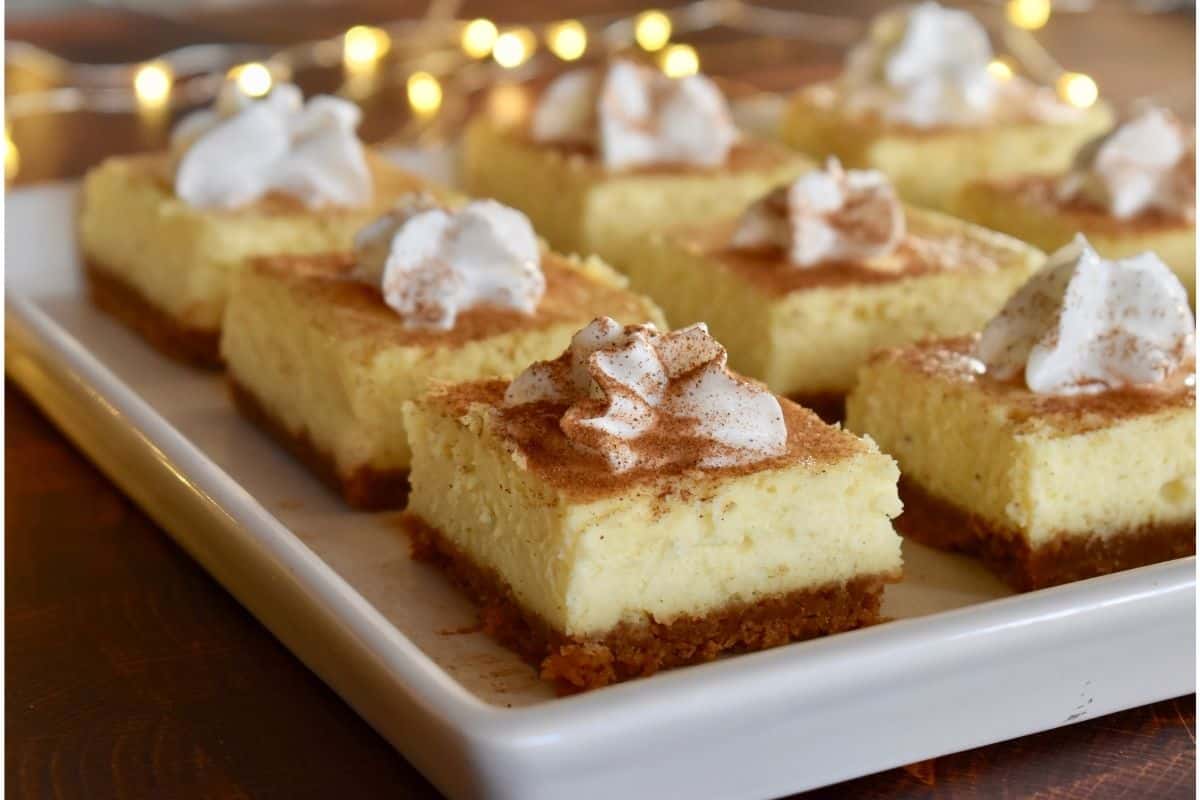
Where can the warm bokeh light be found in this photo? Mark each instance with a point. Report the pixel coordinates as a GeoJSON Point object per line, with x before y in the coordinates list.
{"type": "Point", "coordinates": [680, 60]}
{"type": "Point", "coordinates": [508, 104]}
{"type": "Point", "coordinates": [12, 158]}
{"type": "Point", "coordinates": [152, 83]}
{"type": "Point", "coordinates": [479, 37]}
{"type": "Point", "coordinates": [567, 40]}
{"type": "Point", "coordinates": [253, 79]}
{"type": "Point", "coordinates": [1000, 69]}
{"type": "Point", "coordinates": [363, 46]}
{"type": "Point", "coordinates": [1078, 89]}
{"type": "Point", "coordinates": [513, 48]}
{"type": "Point", "coordinates": [424, 93]}
{"type": "Point", "coordinates": [652, 30]}
{"type": "Point", "coordinates": [1028, 14]}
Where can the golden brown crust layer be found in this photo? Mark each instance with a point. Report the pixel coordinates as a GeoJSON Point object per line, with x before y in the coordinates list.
{"type": "Point", "coordinates": [198, 347]}
{"type": "Point", "coordinates": [1068, 557]}
{"type": "Point", "coordinates": [922, 252]}
{"type": "Point", "coordinates": [1041, 192]}
{"type": "Point", "coordinates": [366, 488]}
{"type": "Point", "coordinates": [950, 360]}
{"type": "Point", "coordinates": [355, 309]}
{"type": "Point", "coordinates": [534, 431]}
{"type": "Point", "coordinates": [638, 650]}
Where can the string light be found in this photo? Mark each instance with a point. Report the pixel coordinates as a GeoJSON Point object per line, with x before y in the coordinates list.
{"type": "Point", "coordinates": [479, 37]}
{"type": "Point", "coordinates": [513, 48]}
{"type": "Point", "coordinates": [363, 46]}
{"type": "Point", "coordinates": [253, 79]}
{"type": "Point", "coordinates": [652, 30]}
{"type": "Point", "coordinates": [424, 93]}
{"type": "Point", "coordinates": [567, 40]}
{"type": "Point", "coordinates": [680, 60]}
{"type": "Point", "coordinates": [1029, 15]}
{"type": "Point", "coordinates": [1000, 69]}
{"type": "Point", "coordinates": [508, 104]}
{"type": "Point", "coordinates": [152, 83]}
{"type": "Point", "coordinates": [12, 158]}
{"type": "Point", "coordinates": [1078, 89]}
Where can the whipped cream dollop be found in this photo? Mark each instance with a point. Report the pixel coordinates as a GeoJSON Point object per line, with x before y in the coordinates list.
{"type": "Point", "coordinates": [828, 214]}
{"type": "Point", "coordinates": [644, 398]}
{"type": "Point", "coordinates": [926, 65]}
{"type": "Point", "coordinates": [242, 149]}
{"type": "Point", "coordinates": [432, 263]}
{"type": "Point", "coordinates": [1148, 163]}
{"type": "Point", "coordinates": [1083, 324]}
{"type": "Point", "coordinates": [635, 116]}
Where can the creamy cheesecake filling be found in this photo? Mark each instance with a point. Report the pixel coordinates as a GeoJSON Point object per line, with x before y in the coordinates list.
{"type": "Point", "coordinates": [1043, 466]}
{"type": "Point", "coordinates": [586, 549]}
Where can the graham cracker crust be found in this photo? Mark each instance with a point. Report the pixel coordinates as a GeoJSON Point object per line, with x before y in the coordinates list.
{"type": "Point", "coordinates": [829, 406]}
{"type": "Point", "coordinates": [937, 523]}
{"type": "Point", "coordinates": [366, 488]}
{"type": "Point", "coordinates": [576, 664]}
{"type": "Point", "coordinates": [195, 346]}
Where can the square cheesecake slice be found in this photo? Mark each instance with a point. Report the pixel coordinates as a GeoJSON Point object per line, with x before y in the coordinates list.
{"type": "Point", "coordinates": [929, 166]}
{"type": "Point", "coordinates": [165, 268]}
{"type": "Point", "coordinates": [1045, 489]}
{"type": "Point", "coordinates": [317, 358]}
{"type": "Point", "coordinates": [598, 574]}
{"type": "Point", "coordinates": [585, 190]}
{"type": "Point", "coordinates": [806, 331]}
{"type": "Point", "coordinates": [1030, 209]}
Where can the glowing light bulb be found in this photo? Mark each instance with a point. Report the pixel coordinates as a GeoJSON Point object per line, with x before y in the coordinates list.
{"type": "Point", "coordinates": [652, 30]}
{"type": "Point", "coordinates": [253, 79]}
{"type": "Point", "coordinates": [1078, 89]}
{"type": "Point", "coordinates": [513, 48]}
{"type": "Point", "coordinates": [363, 46]}
{"type": "Point", "coordinates": [424, 93]}
{"type": "Point", "coordinates": [12, 158]}
{"type": "Point", "coordinates": [152, 83]}
{"type": "Point", "coordinates": [508, 104]}
{"type": "Point", "coordinates": [478, 38]}
{"type": "Point", "coordinates": [1028, 14]}
{"type": "Point", "coordinates": [680, 60]}
{"type": "Point", "coordinates": [1000, 69]}
{"type": "Point", "coordinates": [567, 40]}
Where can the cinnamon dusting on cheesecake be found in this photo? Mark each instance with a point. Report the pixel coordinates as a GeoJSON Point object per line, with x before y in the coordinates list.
{"type": "Point", "coordinates": [1041, 192]}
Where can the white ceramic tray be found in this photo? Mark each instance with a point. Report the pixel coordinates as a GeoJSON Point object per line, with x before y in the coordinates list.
{"type": "Point", "coordinates": [962, 665]}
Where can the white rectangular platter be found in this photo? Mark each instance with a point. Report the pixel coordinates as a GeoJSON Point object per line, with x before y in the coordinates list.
{"type": "Point", "coordinates": [962, 664]}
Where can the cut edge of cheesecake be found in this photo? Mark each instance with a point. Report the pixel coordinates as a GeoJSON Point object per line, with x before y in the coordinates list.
{"type": "Point", "coordinates": [632, 650]}
{"type": "Point", "coordinates": [166, 333]}
{"type": "Point", "coordinates": [1065, 557]}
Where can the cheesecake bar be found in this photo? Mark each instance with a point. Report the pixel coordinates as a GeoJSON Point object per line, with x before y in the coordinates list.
{"type": "Point", "coordinates": [602, 555]}
{"type": "Point", "coordinates": [317, 358]}
{"type": "Point", "coordinates": [584, 199]}
{"type": "Point", "coordinates": [916, 101]}
{"type": "Point", "coordinates": [1130, 192]}
{"type": "Point", "coordinates": [1047, 484]}
{"type": "Point", "coordinates": [162, 235]}
{"type": "Point", "coordinates": [805, 330]}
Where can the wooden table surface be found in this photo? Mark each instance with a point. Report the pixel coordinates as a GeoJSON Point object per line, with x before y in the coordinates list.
{"type": "Point", "coordinates": [131, 673]}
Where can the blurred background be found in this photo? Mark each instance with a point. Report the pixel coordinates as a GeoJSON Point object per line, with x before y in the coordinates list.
{"type": "Point", "coordinates": [85, 79]}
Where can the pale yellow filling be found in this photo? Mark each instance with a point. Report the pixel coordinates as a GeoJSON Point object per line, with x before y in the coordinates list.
{"type": "Point", "coordinates": [929, 167]}
{"type": "Point", "coordinates": [962, 445]}
{"type": "Point", "coordinates": [584, 566]}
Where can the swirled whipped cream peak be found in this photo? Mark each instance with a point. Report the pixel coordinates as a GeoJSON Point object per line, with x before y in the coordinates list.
{"type": "Point", "coordinates": [926, 65]}
{"type": "Point", "coordinates": [432, 263]}
{"type": "Point", "coordinates": [1148, 163]}
{"type": "Point", "coordinates": [1084, 324]}
{"type": "Point", "coordinates": [644, 398]}
{"type": "Point", "coordinates": [826, 215]}
{"type": "Point", "coordinates": [636, 116]}
{"type": "Point", "coordinates": [241, 149]}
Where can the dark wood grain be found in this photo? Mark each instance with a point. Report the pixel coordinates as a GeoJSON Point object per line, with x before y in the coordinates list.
{"type": "Point", "coordinates": [132, 674]}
